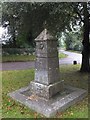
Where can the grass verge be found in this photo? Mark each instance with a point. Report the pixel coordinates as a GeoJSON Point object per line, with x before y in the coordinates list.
{"type": "Point", "coordinates": [74, 51]}
{"type": "Point", "coordinates": [18, 58]}
{"type": "Point", "coordinates": [62, 55]}
{"type": "Point", "coordinates": [22, 58]}
{"type": "Point", "coordinates": [13, 80]}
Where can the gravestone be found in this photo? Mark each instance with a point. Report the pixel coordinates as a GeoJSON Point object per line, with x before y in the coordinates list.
{"type": "Point", "coordinates": [47, 94]}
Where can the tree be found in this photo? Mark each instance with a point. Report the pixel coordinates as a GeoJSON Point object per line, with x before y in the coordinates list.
{"type": "Point", "coordinates": [59, 16]}
{"type": "Point", "coordinates": [73, 40]}
{"type": "Point", "coordinates": [86, 44]}
{"type": "Point", "coordinates": [31, 17]}
{"type": "Point", "coordinates": [82, 15]}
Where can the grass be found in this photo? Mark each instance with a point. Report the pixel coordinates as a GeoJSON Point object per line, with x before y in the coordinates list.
{"type": "Point", "coordinates": [16, 58]}
{"type": "Point", "coordinates": [74, 51]}
{"type": "Point", "coordinates": [62, 55]}
{"type": "Point", "coordinates": [13, 80]}
{"type": "Point", "coordinates": [22, 58]}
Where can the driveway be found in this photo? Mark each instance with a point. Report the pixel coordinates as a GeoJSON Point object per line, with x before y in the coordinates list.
{"type": "Point", "coordinates": [28, 65]}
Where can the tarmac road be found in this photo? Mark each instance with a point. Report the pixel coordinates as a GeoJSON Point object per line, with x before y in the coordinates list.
{"type": "Point", "coordinates": [28, 65]}
{"type": "Point", "coordinates": [71, 57]}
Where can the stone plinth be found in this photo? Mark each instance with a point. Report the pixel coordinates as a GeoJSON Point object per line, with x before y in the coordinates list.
{"type": "Point", "coordinates": [46, 91]}
{"type": "Point", "coordinates": [49, 108]}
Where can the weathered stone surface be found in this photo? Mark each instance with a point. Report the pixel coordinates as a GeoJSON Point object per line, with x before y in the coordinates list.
{"type": "Point", "coordinates": [46, 91]}
{"type": "Point", "coordinates": [46, 49]}
{"type": "Point", "coordinates": [47, 76]}
{"type": "Point", "coordinates": [45, 35]}
{"type": "Point", "coordinates": [50, 107]}
{"type": "Point", "coordinates": [47, 70]}
{"type": "Point", "coordinates": [47, 64]}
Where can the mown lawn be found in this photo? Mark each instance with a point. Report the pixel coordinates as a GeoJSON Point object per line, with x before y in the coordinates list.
{"type": "Point", "coordinates": [22, 58]}
{"type": "Point", "coordinates": [13, 80]}
{"type": "Point", "coordinates": [75, 51]}
{"type": "Point", "coordinates": [62, 55]}
{"type": "Point", "coordinates": [18, 58]}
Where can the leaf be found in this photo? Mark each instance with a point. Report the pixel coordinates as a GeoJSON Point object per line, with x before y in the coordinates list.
{"type": "Point", "coordinates": [9, 100]}
{"type": "Point", "coordinates": [33, 97]}
{"type": "Point", "coordinates": [22, 112]}
{"type": "Point", "coordinates": [71, 113]}
{"type": "Point", "coordinates": [35, 115]}
{"type": "Point", "coordinates": [8, 108]}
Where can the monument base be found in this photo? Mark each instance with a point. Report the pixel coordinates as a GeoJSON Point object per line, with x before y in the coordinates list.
{"type": "Point", "coordinates": [46, 91]}
{"type": "Point", "coordinates": [50, 107]}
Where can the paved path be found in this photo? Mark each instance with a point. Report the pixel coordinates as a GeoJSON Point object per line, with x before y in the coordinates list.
{"type": "Point", "coordinates": [71, 57]}
{"type": "Point", "coordinates": [17, 65]}
{"type": "Point", "coordinates": [27, 65]}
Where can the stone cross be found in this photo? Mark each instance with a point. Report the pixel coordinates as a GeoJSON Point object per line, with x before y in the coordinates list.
{"type": "Point", "coordinates": [47, 76]}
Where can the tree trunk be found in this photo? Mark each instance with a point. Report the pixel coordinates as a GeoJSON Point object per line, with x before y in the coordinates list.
{"type": "Point", "coordinates": [85, 67]}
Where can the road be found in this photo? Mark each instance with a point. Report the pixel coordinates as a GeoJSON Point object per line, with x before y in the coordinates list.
{"type": "Point", "coordinates": [71, 57]}
{"type": "Point", "coordinates": [28, 65]}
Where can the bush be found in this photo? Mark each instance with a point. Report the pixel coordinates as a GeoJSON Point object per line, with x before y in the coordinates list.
{"type": "Point", "coordinates": [77, 47]}
{"type": "Point", "coordinates": [15, 51]}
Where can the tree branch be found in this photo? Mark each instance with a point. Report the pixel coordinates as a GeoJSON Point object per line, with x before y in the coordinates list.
{"type": "Point", "coordinates": [78, 12]}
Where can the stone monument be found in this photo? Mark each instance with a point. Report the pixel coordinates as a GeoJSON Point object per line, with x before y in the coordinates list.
{"type": "Point", "coordinates": [47, 94]}
{"type": "Point", "coordinates": [47, 76]}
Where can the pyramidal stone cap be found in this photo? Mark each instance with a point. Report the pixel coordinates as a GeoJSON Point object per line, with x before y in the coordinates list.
{"type": "Point", "coordinates": [45, 35]}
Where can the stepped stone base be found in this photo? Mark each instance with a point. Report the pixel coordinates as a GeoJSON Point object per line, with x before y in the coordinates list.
{"type": "Point", "coordinates": [49, 107]}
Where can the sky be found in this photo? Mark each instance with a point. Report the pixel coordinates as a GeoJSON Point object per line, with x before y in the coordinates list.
{"type": "Point", "coordinates": [1, 31]}
{"type": "Point", "coordinates": [3, 35]}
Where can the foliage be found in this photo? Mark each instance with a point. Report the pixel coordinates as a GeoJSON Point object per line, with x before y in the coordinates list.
{"type": "Point", "coordinates": [73, 41]}
{"type": "Point", "coordinates": [62, 55]}
{"type": "Point", "coordinates": [83, 14]}
{"type": "Point", "coordinates": [13, 80]}
{"type": "Point", "coordinates": [26, 19]}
